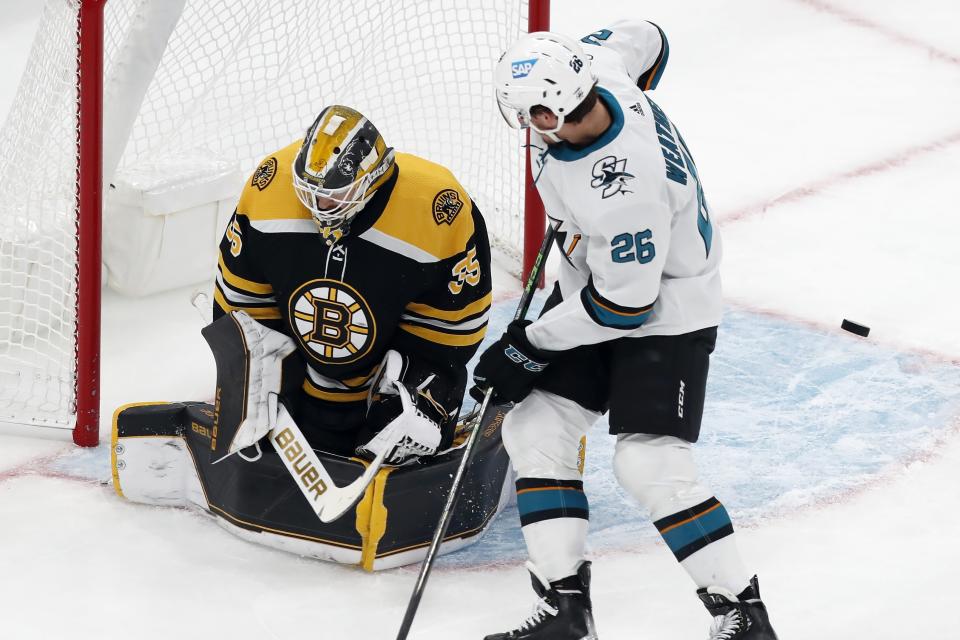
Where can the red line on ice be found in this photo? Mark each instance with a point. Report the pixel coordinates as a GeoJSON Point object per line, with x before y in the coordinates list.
{"type": "Point", "coordinates": [30, 467]}
{"type": "Point", "coordinates": [38, 467]}
{"type": "Point", "coordinates": [865, 23]}
{"type": "Point", "coordinates": [897, 160]}
{"type": "Point", "coordinates": [817, 187]}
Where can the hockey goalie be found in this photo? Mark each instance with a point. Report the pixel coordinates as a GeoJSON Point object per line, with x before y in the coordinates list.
{"type": "Point", "coordinates": [353, 286]}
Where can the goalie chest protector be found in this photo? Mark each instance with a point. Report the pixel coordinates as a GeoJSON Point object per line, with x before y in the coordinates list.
{"type": "Point", "coordinates": [412, 273]}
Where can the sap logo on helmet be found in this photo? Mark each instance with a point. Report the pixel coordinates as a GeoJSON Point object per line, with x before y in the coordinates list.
{"type": "Point", "coordinates": [522, 68]}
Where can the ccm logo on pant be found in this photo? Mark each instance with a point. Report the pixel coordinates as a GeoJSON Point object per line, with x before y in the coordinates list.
{"type": "Point", "coordinates": [680, 401]}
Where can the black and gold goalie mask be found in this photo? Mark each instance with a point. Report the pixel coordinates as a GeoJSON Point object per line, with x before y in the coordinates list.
{"type": "Point", "coordinates": [342, 162]}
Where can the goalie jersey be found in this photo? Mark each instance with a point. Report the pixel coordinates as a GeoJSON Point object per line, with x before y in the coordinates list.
{"type": "Point", "coordinates": [640, 253]}
{"type": "Point", "coordinates": [412, 274]}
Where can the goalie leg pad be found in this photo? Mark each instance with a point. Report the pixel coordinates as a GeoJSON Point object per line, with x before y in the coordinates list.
{"type": "Point", "coordinates": [150, 460]}
{"type": "Point", "coordinates": [256, 500]}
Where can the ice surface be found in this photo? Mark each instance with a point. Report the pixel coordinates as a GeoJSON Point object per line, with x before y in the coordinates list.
{"type": "Point", "coordinates": [827, 135]}
{"type": "Point", "coordinates": [794, 415]}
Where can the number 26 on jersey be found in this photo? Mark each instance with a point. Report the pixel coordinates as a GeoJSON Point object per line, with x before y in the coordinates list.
{"type": "Point", "coordinates": [628, 247]}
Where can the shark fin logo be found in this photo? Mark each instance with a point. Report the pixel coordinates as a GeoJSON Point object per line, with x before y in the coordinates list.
{"type": "Point", "coordinates": [610, 174]}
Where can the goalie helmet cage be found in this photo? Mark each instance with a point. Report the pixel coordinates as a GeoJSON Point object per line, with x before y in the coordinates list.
{"type": "Point", "coordinates": [233, 80]}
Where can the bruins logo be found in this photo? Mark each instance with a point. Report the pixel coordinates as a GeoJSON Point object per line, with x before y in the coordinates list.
{"type": "Point", "coordinates": [332, 321]}
{"type": "Point", "coordinates": [264, 174]}
{"type": "Point", "coordinates": [446, 205]}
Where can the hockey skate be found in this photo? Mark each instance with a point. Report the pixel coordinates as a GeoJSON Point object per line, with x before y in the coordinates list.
{"type": "Point", "coordinates": [742, 617]}
{"type": "Point", "coordinates": [562, 611]}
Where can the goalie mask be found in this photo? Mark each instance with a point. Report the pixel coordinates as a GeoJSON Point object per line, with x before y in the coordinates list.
{"type": "Point", "coordinates": [545, 69]}
{"type": "Point", "coordinates": [342, 162]}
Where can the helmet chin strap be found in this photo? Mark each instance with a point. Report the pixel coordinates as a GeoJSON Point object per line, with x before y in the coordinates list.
{"type": "Point", "coordinates": [550, 135]}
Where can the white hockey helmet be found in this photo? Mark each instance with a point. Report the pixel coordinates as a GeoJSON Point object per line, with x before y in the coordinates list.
{"type": "Point", "coordinates": [546, 69]}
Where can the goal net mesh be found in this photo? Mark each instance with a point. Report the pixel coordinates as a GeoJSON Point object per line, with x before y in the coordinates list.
{"type": "Point", "coordinates": [238, 79]}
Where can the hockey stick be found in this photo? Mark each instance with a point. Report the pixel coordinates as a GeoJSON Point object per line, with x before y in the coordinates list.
{"type": "Point", "coordinates": [326, 499]}
{"type": "Point", "coordinates": [264, 415]}
{"type": "Point", "coordinates": [452, 496]}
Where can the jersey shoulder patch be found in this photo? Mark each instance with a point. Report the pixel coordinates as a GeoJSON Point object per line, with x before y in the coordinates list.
{"type": "Point", "coordinates": [428, 209]}
{"type": "Point", "coordinates": [269, 194]}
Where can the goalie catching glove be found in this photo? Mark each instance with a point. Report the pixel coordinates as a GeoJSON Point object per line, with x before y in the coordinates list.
{"type": "Point", "coordinates": [409, 416]}
{"type": "Point", "coordinates": [511, 365]}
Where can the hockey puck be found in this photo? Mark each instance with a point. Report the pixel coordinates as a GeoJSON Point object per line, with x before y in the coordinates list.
{"type": "Point", "coordinates": [854, 327]}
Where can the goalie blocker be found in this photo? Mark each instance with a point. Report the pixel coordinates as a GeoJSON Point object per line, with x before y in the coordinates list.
{"type": "Point", "coordinates": [173, 454]}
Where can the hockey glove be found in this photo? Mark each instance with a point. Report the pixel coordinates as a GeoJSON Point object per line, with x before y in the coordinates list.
{"type": "Point", "coordinates": [404, 418]}
{"type": "Point", "coordinates": [511, 365]}
{"type": "Point", "coordinates": [411, 434]}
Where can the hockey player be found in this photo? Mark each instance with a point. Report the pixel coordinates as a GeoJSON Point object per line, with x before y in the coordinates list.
{"type": "Point", "coordinates": [629, 329]}
{"type": "Point", "coordinates": [361, 256]}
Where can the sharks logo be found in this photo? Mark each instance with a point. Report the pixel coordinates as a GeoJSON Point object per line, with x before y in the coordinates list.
{"type": "Point", "coordinates": [610, 174]}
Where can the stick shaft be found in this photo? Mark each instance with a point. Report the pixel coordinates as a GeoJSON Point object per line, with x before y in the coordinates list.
{"type": "Point", "coordinates": [447, 514]}
{"type": "Point", "coordinates": [535, 272]}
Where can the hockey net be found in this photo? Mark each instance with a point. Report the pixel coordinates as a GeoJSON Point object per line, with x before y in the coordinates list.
{"type": "Point", "coordinates": [237, 79]}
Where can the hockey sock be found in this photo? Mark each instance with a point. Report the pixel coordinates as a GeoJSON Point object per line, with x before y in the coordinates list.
{"type": "Point", "coordinates": [702, 540]}
{"type": "Point", "coordinates": [554, 517]}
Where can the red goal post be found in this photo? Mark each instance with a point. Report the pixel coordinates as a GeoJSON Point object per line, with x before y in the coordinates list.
{"type": "Point", "coordinates": [422, 70]}
{"type": "Point", "coordinates": [534, 216]}
{"type": "Point", "coordinates": [86, 432]}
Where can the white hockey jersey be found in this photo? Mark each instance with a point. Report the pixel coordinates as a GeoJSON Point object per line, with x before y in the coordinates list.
{"type": "Point", "coordinates": [640, 253]}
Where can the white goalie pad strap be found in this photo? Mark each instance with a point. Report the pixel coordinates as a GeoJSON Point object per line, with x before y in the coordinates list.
{"type": "Point", "coordinates": [391, 370]}
{"type": "Point", "coordinates": [409, 435]}
{"type": "Point", "coordinates": [267, 349]}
